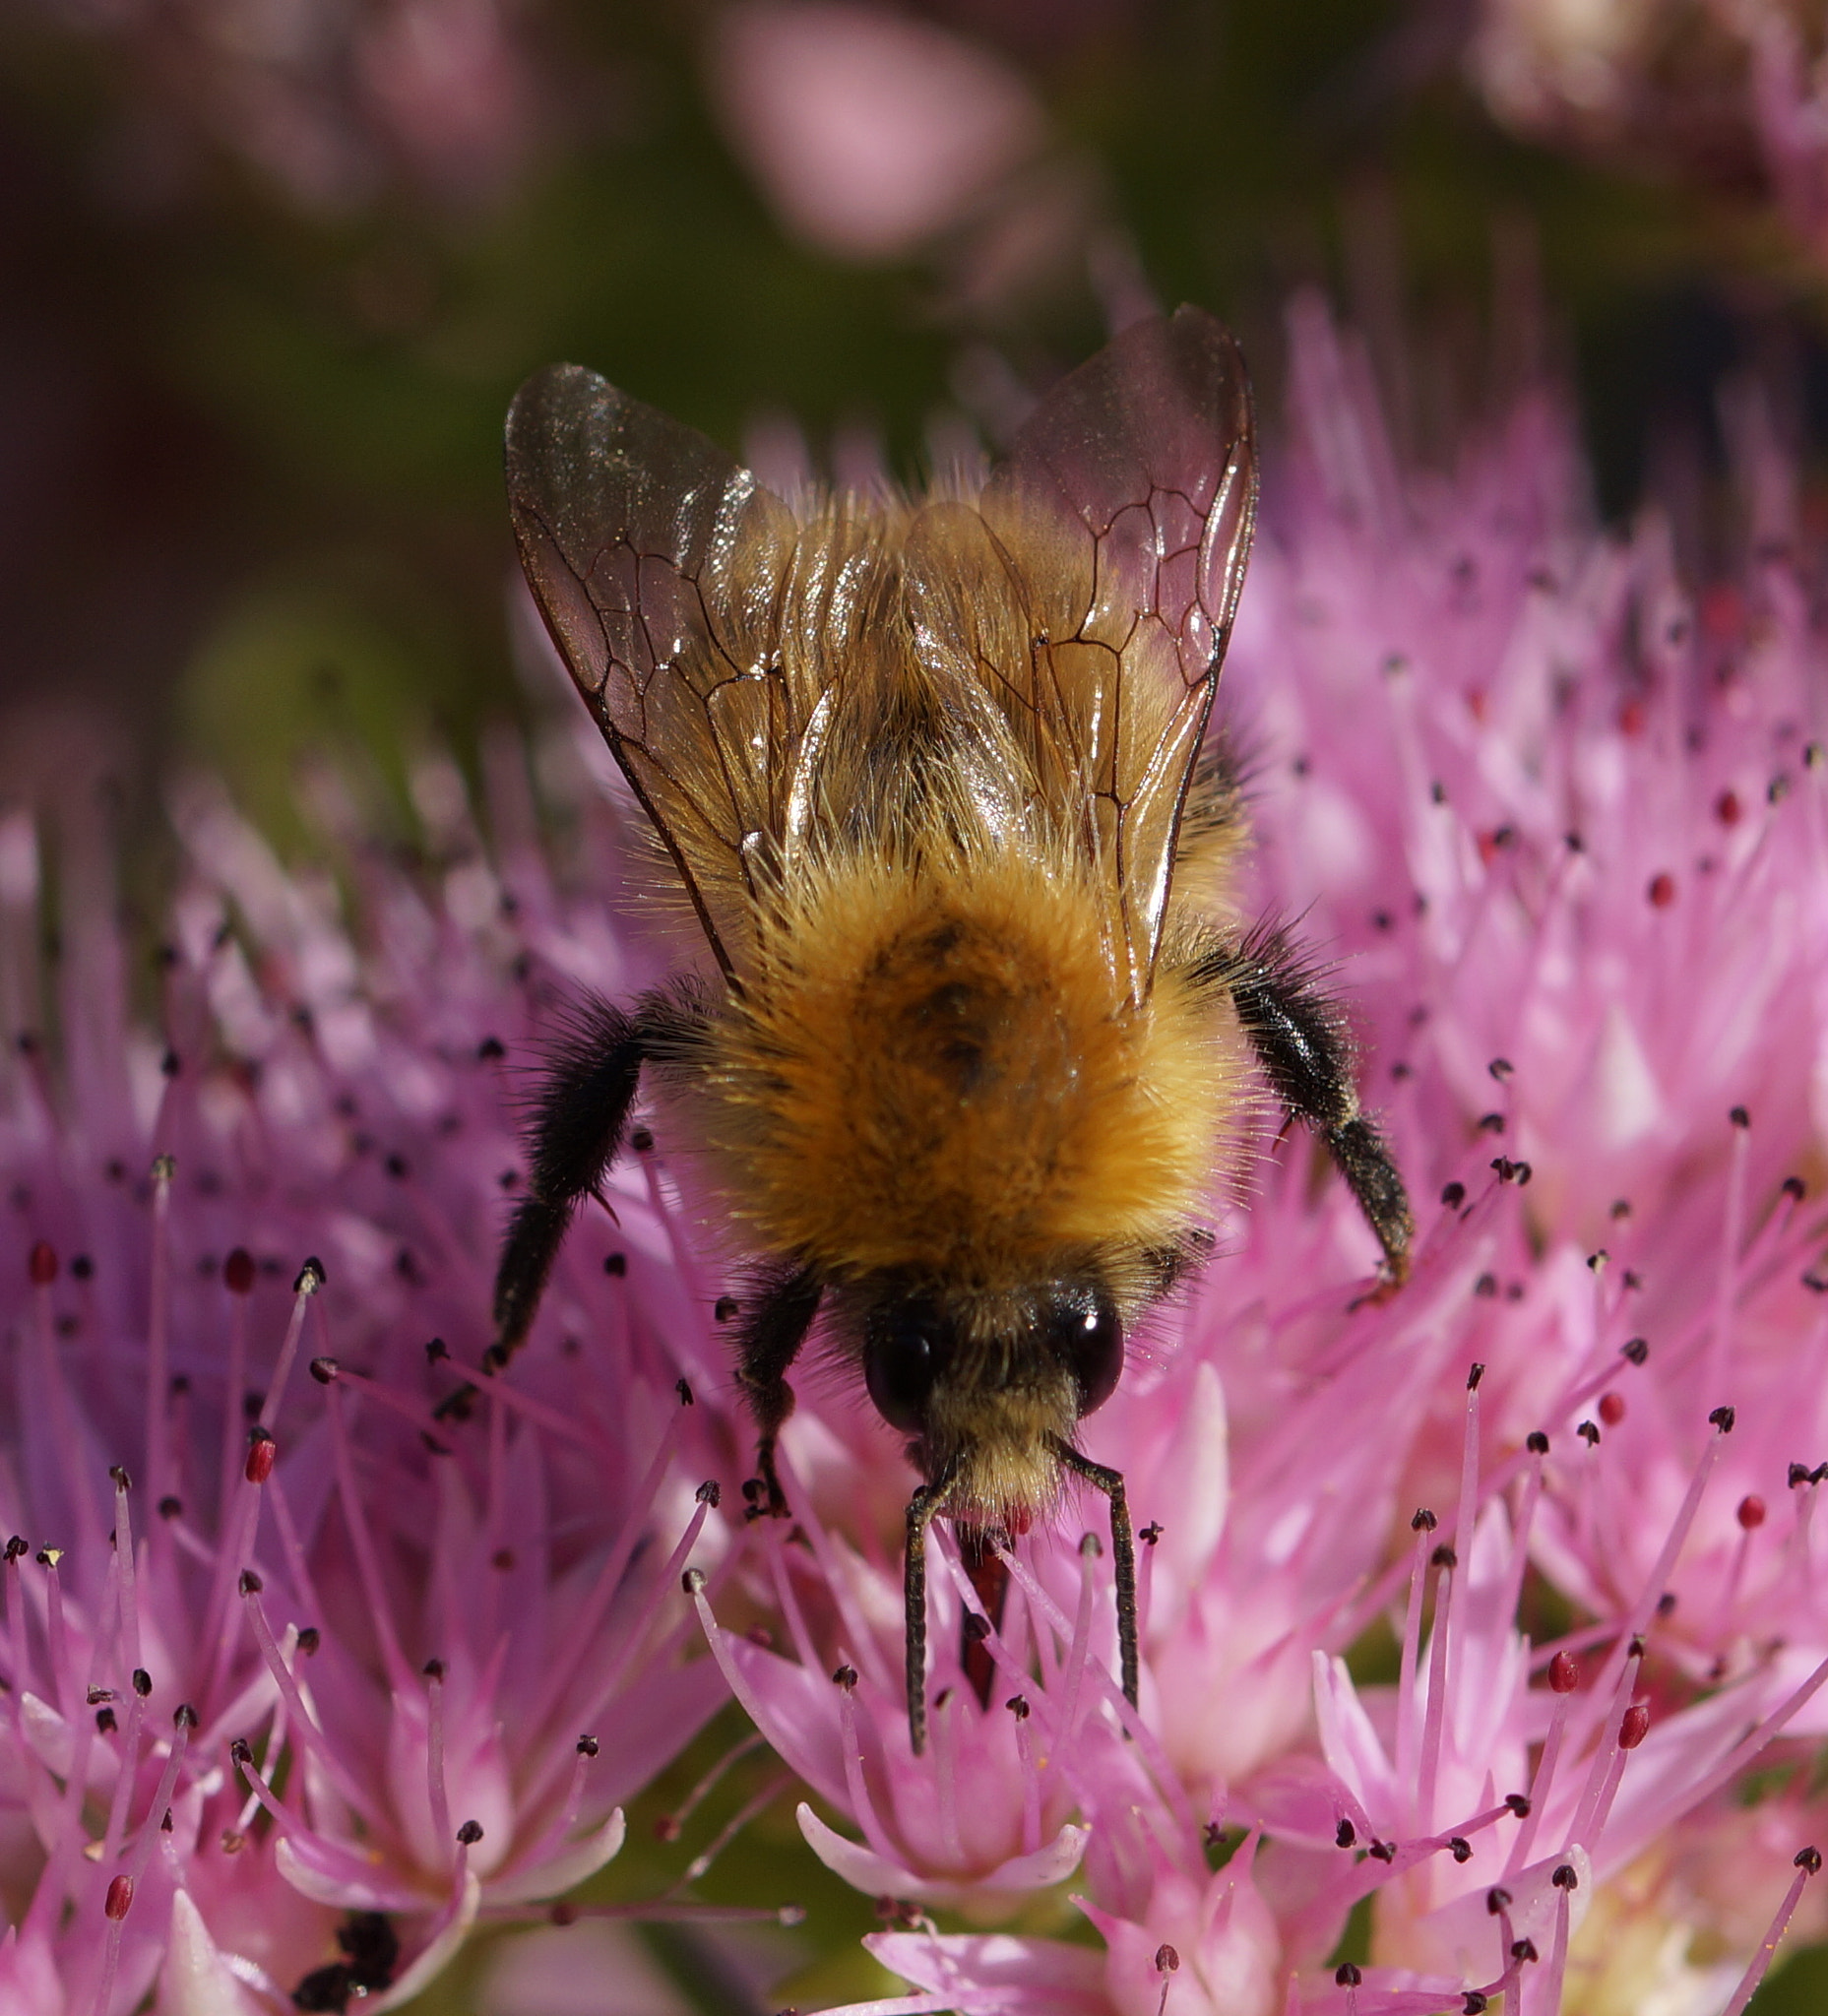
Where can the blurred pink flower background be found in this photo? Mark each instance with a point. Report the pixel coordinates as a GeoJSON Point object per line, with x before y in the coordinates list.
{"type": "Point", "coordinates": [391, 1652]}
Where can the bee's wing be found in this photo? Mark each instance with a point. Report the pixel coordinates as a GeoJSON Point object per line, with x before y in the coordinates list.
{"type": "Point", "coordinates": [659, 566]}
{"type": "Point", "coordinates": [1118, 530]}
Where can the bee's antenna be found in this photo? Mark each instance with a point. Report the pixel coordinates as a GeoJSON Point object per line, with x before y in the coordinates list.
{"type": "Point", "coordinates": [923, 1508]}
{"type": "Point", "coordinates": [1123, 1556]}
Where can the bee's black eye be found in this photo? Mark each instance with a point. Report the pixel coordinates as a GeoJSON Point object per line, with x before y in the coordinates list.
{"type": "Point", "coordinates": [1085, 1331]}
{"type": "Point", "coordinates": [903, 1355]}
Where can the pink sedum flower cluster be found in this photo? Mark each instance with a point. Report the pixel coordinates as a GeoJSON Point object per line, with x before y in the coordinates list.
{"type": "Point", "coordinates": [319, 1648]}
{"type": "Point", "coordinates": [1484, 1634]}
{"type": "Point", "coordinates": [1558, 816]}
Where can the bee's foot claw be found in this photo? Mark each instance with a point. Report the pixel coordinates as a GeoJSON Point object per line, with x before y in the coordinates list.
{"type": "Point", "coordinates": [763, 1498]}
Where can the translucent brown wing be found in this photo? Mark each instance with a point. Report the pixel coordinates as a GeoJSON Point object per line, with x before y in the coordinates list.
{"type": "Point", "coordinates": [1093, 592]}
{"type": "Point", "coordinates": [660, 567]}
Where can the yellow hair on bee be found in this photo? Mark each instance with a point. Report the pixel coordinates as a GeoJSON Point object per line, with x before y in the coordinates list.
{"type": "Point", "coordinates": [937, 1070]}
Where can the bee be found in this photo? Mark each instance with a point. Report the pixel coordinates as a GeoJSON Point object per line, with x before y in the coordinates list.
{"type": "Point", "coordinates": [976, 1027]}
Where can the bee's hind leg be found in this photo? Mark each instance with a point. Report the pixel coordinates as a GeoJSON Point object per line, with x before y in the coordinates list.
{"type": "Point", "coordinates": [774, 1329]}
{"type": "Point", "coordinates": [578, 1123]}
{"type": "Point", "coordinates": [1305, 1049]}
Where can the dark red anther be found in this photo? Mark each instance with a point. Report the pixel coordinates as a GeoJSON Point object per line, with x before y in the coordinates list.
{"type": "Point", "coordinates": [238, 1272]}
{"type": "Point", "coordinates": [42, 1266]}
{"type": "Point", "coordinates": [1661, 890]}
{"type": "Point", "coordinates": [1633, 1726]}
{"type": "Point", "coordinates": [1564, 1673]}
{"type": "Point", "coordinates": [262, 1453]}
{"type": "Point", "coordinates": [1726, 808]}
{"type": "Point", "coordinates": [1168, 1961]}
{"type": "Point", "coordinates": [1751, 1512]}
{"type": "Point", "coordinates": [119, 1900]}
{"type": "Point", "coordinates": [1611, 1409]}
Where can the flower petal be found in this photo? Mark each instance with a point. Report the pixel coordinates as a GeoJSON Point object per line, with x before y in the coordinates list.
{"type": "Point", "coordinates": [876, 1876]}
{"type": "Point", "coordinates": [566, 1869]}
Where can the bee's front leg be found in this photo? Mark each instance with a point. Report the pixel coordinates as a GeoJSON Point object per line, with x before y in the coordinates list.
{"type": "Point", "coordinates": [772, 1332]}
{"type": "Point", "coordinates": [1302, 1040]}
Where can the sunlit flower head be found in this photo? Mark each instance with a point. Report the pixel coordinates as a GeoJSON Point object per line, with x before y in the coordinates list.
{"type": "Point", "coordinates": [319, 1645]}
{"type": "Point", "coordinates": [1555, 814]}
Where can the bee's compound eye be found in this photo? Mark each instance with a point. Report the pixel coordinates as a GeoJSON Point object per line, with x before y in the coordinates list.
{"type": "Point", "coordinates": [902, 1354]}
{"type": "Point", "coordinates": [1087, 1333]}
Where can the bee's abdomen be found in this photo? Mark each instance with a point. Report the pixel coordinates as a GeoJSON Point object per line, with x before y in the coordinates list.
{"type": "Point", "coordinates": [941, 1072]}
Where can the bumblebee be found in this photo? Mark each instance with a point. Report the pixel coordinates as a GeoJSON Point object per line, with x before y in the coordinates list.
{"type": "Point", "coordinates": [978, 1026]}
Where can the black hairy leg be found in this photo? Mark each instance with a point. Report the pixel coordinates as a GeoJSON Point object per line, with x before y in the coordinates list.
{"type": "Point", "coordinates": [1302, 1041]}
{"type": "Point", "coordinates": [575, 1131]}
{"type": "Point", "coordinates": [923, 1508]}
{"type": "Point", "coordinates": [774, 1329]}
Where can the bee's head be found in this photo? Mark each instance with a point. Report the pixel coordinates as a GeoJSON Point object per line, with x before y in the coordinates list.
{"type": "Point", "coordinates": [988, 1384]}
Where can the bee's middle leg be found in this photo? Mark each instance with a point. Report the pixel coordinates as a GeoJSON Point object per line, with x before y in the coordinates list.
{"type": "Point", "coordinates": [772, 1332]}
{"type": "Point", "coordinates": [1302, 1043]}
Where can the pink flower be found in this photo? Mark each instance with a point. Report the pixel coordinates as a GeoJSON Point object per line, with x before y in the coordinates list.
{"type": "Point", "coordinates": [869, 132]}
{"type": "Point", "coordinates": [351, 1647]}
{"type": "Point", "coordinates": [1558, 816]}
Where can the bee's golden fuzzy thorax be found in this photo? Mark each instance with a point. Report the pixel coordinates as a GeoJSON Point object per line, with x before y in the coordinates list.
{"type": "Point", "coordinates": [941, 1072]}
